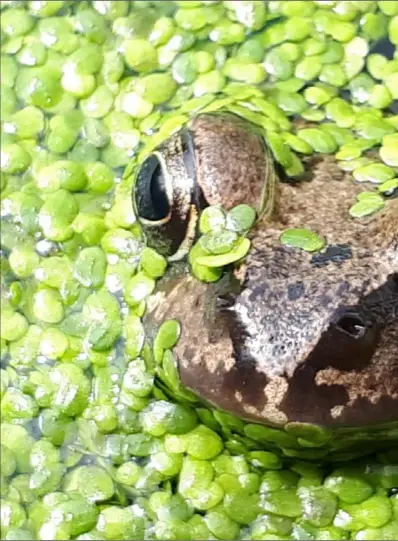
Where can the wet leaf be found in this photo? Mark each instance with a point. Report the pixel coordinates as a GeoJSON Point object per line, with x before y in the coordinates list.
{"type": "Point", "coordinates": [302, 238]}
{"type": "Point", "coordinates": [367, 206]}
{"type": "Point", "coordinates": [239, 251]}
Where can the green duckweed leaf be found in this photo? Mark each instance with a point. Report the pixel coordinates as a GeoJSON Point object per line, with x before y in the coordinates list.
{"type": "Point", "coordinates": [219, 242]}
{"type": "Point", "coordinates": [367, 195]}
{"type": "Point", "coordinates": [309, 432]}
{"type": "Point", "coordinates": [375, 172]}
{"type": "Point", "coordinates": [241, 218]}
{"type": "Point", "coordinates": [212, 218]}
{"type": "Point", "coordinates": [168, 333]}
{"type": "Point", "coordinates": [389, 155]}
{"type": "Point", "coordinates": [367, 206]}
{"type": "Point", "coordinates": [302, 238]}
{"type": "Point", "coordinates": [238, 252]}
{"type": "Point", "coordinates": [389, 186]}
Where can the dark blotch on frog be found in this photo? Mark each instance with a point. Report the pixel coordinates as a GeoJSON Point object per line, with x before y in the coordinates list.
{"type": "Point", "coordinates": [288, 335]}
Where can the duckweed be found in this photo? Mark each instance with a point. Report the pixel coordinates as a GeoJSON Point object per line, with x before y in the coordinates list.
{"type": "Point", "coordinates": [212, 218]}
{"type": "Point", "coordinates": [153, 263]}
{"type": "Point", "coordinates": [226, 257]}
{"type": "Point", "coordinates": [302, 238]}
{"type": "Point", "coordinates": [101, 317]}
{"type": "Point", "coordinates": [367, 206]}
{"type": "Point", "coordinates": [14, 159]}
{"type": "Point", "coordinates": [376, 173]}
{"type": "Point", "coordinates": [389, 155]}
{"type": "Point", "coordinates": [47, 306]}
{"type": "Point", "coordinates": [100, 440]}
{"type": "Point", "coordinates": [389, 186]}
{"type": "Point", "coordinates": [318, 140]}
{"type": "Point", "coordinates": [90, 481]}
{"type": "Point", "coordinates": [203, 272]}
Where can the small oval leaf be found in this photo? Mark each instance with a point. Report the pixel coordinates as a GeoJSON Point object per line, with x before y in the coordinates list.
{"type": "Point", "coordinates": [367, 206]}
{"type": "Point", "coordinates": [239, 251]}
{"type": "Point", "coordinates": [302, 238]}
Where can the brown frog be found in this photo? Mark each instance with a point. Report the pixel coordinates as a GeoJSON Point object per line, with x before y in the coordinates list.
{"type": "Point", "coordinates": [286, 336]}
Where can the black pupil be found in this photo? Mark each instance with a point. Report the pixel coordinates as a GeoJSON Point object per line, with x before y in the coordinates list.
{"type": "Point", "coordinates": [150, 192]}
{"type": "Point", "coordinates": [352, 325]}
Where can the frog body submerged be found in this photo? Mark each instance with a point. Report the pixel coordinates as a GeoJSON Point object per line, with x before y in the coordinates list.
{"type": "Point", "coordinates": [296, 337]}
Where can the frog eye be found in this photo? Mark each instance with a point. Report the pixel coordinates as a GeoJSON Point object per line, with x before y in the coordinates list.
{"type": "Point", "coordinates": [164, 199]}
{"type": "Point", "coordinates": [153, 196]}
{"type": "Point", "coordinates": [352, 324]}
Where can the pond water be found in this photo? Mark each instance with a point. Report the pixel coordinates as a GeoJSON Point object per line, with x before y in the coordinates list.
{"type": "Point", "coordinates": [99, 439]}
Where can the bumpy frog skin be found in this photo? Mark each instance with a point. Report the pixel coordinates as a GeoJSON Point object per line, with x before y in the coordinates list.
{"type": "Point", "coordinates": [293, 337]}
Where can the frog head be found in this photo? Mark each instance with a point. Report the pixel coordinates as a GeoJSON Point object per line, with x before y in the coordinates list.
{"type": "Point", "coordinates": [288, 336]}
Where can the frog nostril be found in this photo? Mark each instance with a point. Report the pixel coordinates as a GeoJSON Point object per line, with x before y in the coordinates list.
{"type": "Point", "coordinates": [151, 196]}
{"type": "Point", "coordinates": [352, 324]}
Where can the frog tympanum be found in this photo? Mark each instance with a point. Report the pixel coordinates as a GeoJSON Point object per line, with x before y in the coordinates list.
{"type": "Point", "coordinates": [294, 337]}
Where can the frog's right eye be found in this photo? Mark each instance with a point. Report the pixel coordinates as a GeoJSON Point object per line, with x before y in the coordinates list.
{"type": "Point", "coordinates": [153, 195]}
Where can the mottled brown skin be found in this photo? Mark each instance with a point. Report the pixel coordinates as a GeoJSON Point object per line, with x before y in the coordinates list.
{"type": "Point", "coordinates": [218, 175]}
{"type": "Point", "coordinates": [268, 342]}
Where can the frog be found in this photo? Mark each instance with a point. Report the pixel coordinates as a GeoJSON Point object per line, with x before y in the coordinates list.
{"type": "Point", "coordinates": [286, 336]}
